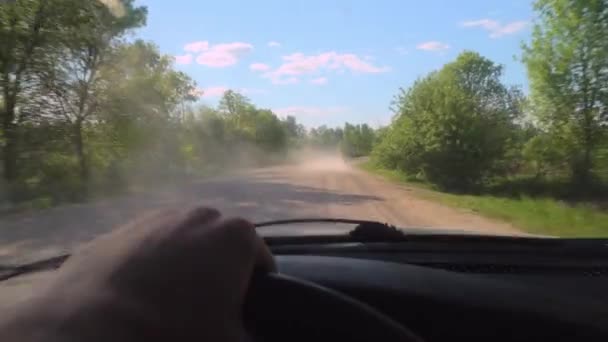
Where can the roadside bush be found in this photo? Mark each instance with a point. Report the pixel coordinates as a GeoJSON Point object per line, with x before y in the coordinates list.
{"type": "Point", "coordinates": [453, 126]}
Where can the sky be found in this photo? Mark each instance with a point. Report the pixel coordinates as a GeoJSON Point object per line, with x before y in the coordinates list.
{"type": "Point", "coordinates": [328, 62]}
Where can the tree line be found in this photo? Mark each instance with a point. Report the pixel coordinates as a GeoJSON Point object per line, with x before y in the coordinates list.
{"type": "Point", "coordinates": [85, 109]}
{"type": "Point", "coordinates": [463, 129]}
{"type": "Point", "coordinates": [352, 140]}
{"type": "Point", "coordinates": [80, 101]}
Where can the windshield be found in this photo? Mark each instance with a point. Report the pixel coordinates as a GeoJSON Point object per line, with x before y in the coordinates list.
{"type": "Point", "coordinates": [416, 115]}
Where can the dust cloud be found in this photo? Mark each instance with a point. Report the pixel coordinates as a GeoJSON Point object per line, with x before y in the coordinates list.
{"type": "Point", "coordinates": [321, 160]}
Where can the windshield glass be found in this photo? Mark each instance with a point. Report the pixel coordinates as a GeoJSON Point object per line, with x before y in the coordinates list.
{"type": "Point", "coordinates": [412, 114]}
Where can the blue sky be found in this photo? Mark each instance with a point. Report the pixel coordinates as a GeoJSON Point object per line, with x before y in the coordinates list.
{"type": "Point", "coordinates": [327, 62]}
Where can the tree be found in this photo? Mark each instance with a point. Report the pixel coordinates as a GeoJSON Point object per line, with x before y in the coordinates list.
{"type": "Point", "coordinates": [90, 107]}
{"type": "Point", "coordinates": [25, 28]}
{"type": "Point", "coordinates": [237, 107]}
{"type": "Point", "coordinates": [542, 155]}
{"type": "Point", "coordinates": [296, 133]}
{"type": "Point", "coordinates": [324, 137]}
{"type": "Point", "coordinates": [140, 113]}
{"type": "Point", "coordinates": [269, 132]}
{"type": "Point", "coordinates": [357, 140]}
{"type": "Point", "coordinates": [453, 125]}
{"type": "Point", "coordinates": [567, 63]}
{"type": "Point", "coordinates": [74, 84]}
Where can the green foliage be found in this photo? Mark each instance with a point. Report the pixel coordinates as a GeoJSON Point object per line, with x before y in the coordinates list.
{"type": "Point", "coordinates": [97, 112]}
{"type": "Point", "coordinates": [270, 134]}
{"type": "Point", "coordinates": [567, 62]}
{"type": "Point", "coordinates": [453, 126]}
{"type": "Point", "coordinates": [352, 140]}
{"type": "Point", "coordinates": [544, 216]}
{"type": "Point", "coordinates": [295, 133]}
{"type": "Point", "coordinates": [541, 155]}
{"type": "Point", "coordinates": [357, 140]}
{"type": "Point", "coordinates": [325, 138]}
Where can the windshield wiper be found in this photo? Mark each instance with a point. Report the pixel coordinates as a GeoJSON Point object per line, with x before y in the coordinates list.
{"type": "Point", "coordinates": [365, 231]}
{"type": "Point", "coordinates": [37, 266]}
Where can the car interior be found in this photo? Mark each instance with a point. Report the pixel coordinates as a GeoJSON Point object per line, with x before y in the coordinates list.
{"type": "Point", "coordinates": [379, 283]}
{"type": "Point", "coordinates": [399, 287]}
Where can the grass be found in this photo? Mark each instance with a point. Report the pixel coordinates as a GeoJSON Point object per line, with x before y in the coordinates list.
{"type": "Point", "coordinates": [545, 216]}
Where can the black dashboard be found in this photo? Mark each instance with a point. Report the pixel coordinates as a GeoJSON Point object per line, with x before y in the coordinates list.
{"type": "Point", "coordinates": [525, 290]}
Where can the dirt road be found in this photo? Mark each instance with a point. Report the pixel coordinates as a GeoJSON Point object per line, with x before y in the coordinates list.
{"type": "Point", "coordinates": [314, 188]}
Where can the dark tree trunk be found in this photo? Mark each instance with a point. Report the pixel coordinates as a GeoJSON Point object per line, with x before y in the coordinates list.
{"type": "Point", "coordinates": [587, 165]}
{"type": "Point", "coordinates": [9, 157]}
{"type": "Point", "coordinates": [81, 156]}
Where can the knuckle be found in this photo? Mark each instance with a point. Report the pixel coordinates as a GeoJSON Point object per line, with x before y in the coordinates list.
{"type": "Point", "coordinates": [238, 229]}
{"type": "Point", "coordinates": [202, 214]}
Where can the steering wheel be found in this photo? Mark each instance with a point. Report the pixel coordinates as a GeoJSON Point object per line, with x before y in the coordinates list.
{"type": "Point", "coordinates": [284, 308]}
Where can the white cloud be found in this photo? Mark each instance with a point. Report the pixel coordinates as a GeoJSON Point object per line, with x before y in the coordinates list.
{"type": "Point", "coordinates": [217, 91]}
{"type": "Point", "coordinates": [509, 28]}
{"type": "Point", "coordinates": [432, 46]}
{"type": "Point", "coordinates": [197, 46]}
{"type": "Point", "coordinates": [274, 44]}
{"type": "Point", "coordinates": [298, 64]}
{"type": "Point", "coordinates": [185, 59]}
{"type": "Point", "coordinates": [223, 55]}
{"type": "Point", "coordinates": [259, 67]}
{"type": "Point", "coordinates": [319, 81]}
{"type": "Point", "coordinates": [487, 24]}
{"type": "Point", "coordinates": [495, 28]}
{"type": "Point", "coordinates": [219, 55]}
{"type": "Point", "coordinates": [309, 111]}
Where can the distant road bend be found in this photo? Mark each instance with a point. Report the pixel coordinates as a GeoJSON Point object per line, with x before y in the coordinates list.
{"type": "Point", "coordinates": [323, 187]}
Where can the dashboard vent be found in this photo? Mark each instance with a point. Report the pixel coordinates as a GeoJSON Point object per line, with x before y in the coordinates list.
{"type": "Point", "coordinates": [520, 269]}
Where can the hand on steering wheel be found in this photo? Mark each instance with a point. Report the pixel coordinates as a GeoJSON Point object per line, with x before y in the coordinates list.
{"type": "Point", "coordinates": [181, 275]}
{"type": "Point", "coordinates": [171, 275]}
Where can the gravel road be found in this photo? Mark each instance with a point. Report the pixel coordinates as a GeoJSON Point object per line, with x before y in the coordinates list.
{"type": "Point", "coordinates": [323, 187]}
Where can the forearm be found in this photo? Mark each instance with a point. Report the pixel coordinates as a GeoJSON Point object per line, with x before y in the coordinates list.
{"type": "Point", "coordinates": [102, 318]}
{"type": "Point", "coordinates": [50, 318]}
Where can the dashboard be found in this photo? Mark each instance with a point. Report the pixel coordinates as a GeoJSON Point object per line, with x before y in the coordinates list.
{"type": "Point", "coordinates": [466, 291]}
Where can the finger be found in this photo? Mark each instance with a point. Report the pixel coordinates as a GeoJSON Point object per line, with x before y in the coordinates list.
{"type": "Point", "coordinates": [200, 216]}
{"type": "Point", "coordinates": [240, 232]}
{"type": "Point", "coordinates": [123, 236]}
{"type": "Point", "coordinates": [264, 260]}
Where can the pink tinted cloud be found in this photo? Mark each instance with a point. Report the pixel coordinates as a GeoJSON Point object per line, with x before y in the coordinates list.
{"type": "Point", "coordinates": [259, 67]}
{"type": "Point", "coordinates": [299, 64]}
{"type": "Point", "coordinates": [217, 91]}
{"type": "Point", "coordinates": [215, 56]}
{"type": "Point", "coordinates": [223, 55]}
{"type": "Point", "coordinates": [184, 59]}
{"type": "Point", "coordinates": [509, 28]}
{"type": "Point", "coordinates": [432, 46]}
{"type": "Point", "coordinates": [355, 63]}
{"type": "Point", "coordinates": [319, 81]}
{"type": "Point", "coordinates": [487, 24]}
{"type": "Point", "coordinates": [197, 46]}
{"type": "Point", "coordinates": [495, 28]}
